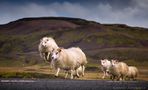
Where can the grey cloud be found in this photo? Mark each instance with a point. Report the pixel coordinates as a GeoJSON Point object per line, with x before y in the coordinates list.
{"type": "Point", "coordinates": [134, 15]}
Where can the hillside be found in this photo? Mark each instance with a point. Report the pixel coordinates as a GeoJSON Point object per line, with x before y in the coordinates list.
{"type": "Point", "coordinates": [19, 39]}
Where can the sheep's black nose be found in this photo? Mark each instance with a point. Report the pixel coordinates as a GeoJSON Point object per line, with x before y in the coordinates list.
{"type": "Point", "coordinates": [51, 57]}
{"type": "Point", "coordinates": [107, 71]}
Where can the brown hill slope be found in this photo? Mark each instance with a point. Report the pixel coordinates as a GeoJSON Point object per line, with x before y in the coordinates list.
{"type": "Point", "coordinates": [22, 37]}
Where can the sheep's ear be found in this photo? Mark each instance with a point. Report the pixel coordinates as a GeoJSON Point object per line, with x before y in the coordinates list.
{"type": "Point", "coordinates": [40, 40]}
{"type": "Point", "coordinates": [52, 50]}
{"type": "Point", "coordinates": [101, 60]}
{"type": "Point", "coordinates": [59, 49]}
{"type": "Point", "coordinates": [117, 60]}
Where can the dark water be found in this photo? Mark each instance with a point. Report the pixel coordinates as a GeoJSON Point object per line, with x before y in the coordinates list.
{"type": "Point", "coordinates": [48, 84]}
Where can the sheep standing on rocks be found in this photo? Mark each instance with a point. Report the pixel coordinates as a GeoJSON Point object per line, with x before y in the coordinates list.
{"type": "Point", "coordinates": [132, 73]}
{"type": "Point", "coordinates": [69, 59]}
{"type": "Point", "coordinates": [47, 44]}
{"type": "Point", "coordinates": [118, 70]}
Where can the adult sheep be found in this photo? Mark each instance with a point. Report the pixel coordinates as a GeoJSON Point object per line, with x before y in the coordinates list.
{"type": "Point", "coordinates": [105, 64]}
{"type": "Point", "coordinates": [69, 59]}
{"type": "Point", "coordinates": [47, 44]}
{"type": "Point", "coordinates": [132, 73]}
{"type": "Point", "coordinates": [118, 70]}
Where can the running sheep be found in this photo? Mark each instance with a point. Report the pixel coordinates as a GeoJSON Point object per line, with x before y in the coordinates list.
{"type": "Point", "coordinates": [105, 64]}
{"type": "Point", "coordinates": [118, 70]}
{"type": "Point", "coordinates": [69, 59]}
{"type": "Point", "coordinates": [132, 73]}
{"type": "Point", "coordinates": [46, 45]}
{"type": "Point", "coordinates": [79, 70]}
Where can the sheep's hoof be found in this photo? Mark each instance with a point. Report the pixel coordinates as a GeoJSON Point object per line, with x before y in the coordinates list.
{"type": "Point", "coordinates": [77, 76]}
{"type": "Point", "coordinates": [65, 77]}
{"type": "Point", "coordinates": [55, 76]}
{"type": "Point", "coordinates": [103, 77]}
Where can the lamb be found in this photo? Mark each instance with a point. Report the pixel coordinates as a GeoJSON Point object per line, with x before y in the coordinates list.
{"type": "Point", "coordinates": [104, 65]}
{"type": "Point", "coordinates": [69, 59]}
{"type": "Point", "coordinates": [79, 70]}
{"type": "Point", "coordinates": [132, 73]}
{"type": "Point", "coordinates": [47, 44]}
{"type": "Point", "coordinates": [118, 70]}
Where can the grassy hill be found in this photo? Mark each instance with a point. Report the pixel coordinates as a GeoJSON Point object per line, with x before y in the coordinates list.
{"type": "Point", "coordinates": [19, 39]}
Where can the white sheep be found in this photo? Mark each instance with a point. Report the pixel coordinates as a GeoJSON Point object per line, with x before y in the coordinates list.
{"type": "Point", "coordinates": [69, 59]}
{"type": "Point", "coordinates": [79, 71]}
{"type": "Point", "coordinates": [132, 73]}
{"type": "Point", "coordinates": [47, 44]}
{"type": "Point", "coordinates": [118, 70]}
{"type": "Point", "coordinates": [105, 63]}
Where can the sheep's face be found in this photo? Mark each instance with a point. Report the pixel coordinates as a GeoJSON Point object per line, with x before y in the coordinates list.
{"type": "Point", "coordinates": [55, 54]}
{"type": "Point", "coordinates": [105, 63]}
{"type": "Point", "coordinates": [114, 62]}
{"type": "Point", "coordinates": [45, 41]}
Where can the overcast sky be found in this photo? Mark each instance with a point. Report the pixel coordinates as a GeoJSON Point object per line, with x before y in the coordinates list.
{"type": "Point", "coordinates": [130, 12]}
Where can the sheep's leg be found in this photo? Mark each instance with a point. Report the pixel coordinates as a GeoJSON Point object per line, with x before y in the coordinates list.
{"type": "Point", "coordinates": [114, 77]}
{"type": "Point", "coordinates": [71, 74]}
{"type": "Point", "coordinates": [66, 74]}
{"type": "Point", "coordinates": [127, 78]}
{"type": "Point", "coordinates": [133, 78]}
{"type": "Point", "coordinates": [77, 73]}
{"type": "Point", "coordinates": [111, 77]}
{"type": "Point", "coordinates": [52, 64]}
{"type": "Point", "coordinates": [48, 55]}
{"type": "Point", "coordinates": [107, 74]}
{"type": "Point", "coordinates": [41, 55]}
{"type": "Point", "coordinates": [57, 73]}
{"type": "Point", "coordinates": [83, 69]}
{"type": "Point", "coordinates": [104, 73]}
{"type": "Point", "coordinates": [117, 78]}
{"type": "Point", "coordinates": [44, 57]}
{"type": "Point", "coordinates": [120, 77]}
{"type": "Point", "coordinates": [123, 77]}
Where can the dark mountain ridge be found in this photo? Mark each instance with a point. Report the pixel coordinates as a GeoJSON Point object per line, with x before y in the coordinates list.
{"type": "Point", "coordinates": [28, 25]}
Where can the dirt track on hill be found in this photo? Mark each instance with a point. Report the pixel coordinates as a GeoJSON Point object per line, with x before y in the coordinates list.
{"type": "Point", "coordinates": [49, 84]}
